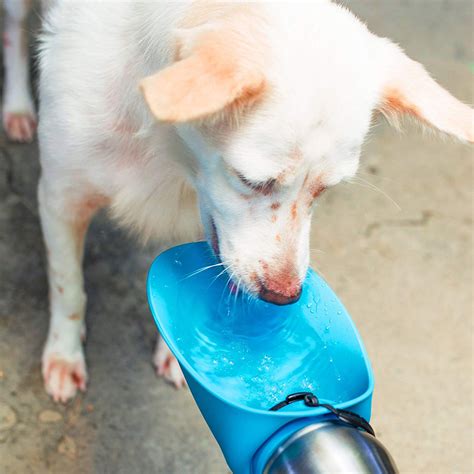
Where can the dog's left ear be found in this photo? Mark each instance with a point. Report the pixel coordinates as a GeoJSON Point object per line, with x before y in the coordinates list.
{"type": "Point", "coordinates": [214, 72]}
{"type": "Point", "coordinates": [408, 89]}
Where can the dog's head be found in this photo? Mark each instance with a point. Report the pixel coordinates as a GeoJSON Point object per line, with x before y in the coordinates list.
{"type": "Point", "coordinates": [275, 104]}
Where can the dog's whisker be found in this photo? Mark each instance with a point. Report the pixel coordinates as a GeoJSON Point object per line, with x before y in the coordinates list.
{"type": "Point", "coordinates": [229, 296]}
{"type": "Point", "coordinates": [366, 184]}
{"type": "Point", "coordinates": [203, 269]}
{"type": "Point", "coordinates": [223, 291]}
{"type": "Point", "coordinates": [237, 291]}
{"type": "Point", "coordinates": [385, 178]}
{"type": "Point", "coordinates": [227, 267]}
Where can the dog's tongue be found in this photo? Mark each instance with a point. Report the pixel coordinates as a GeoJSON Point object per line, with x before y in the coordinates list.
{"type": "Point", "coordinates": [232, 288]}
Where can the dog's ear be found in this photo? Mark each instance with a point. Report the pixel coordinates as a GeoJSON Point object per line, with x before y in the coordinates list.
{"type": "Point", "coordinates": [409, 90]}
{"type": "Point", "coordinates": [213, 75]}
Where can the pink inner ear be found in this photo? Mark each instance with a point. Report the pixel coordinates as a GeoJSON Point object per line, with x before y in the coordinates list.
{"type": "Point", "coordinates": [411, 91]}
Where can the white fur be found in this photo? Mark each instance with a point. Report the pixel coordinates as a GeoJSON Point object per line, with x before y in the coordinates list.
{"type": "Point", "coordinates": [18, 113]}
{"type": "Point", "coordinates": [101, 145]}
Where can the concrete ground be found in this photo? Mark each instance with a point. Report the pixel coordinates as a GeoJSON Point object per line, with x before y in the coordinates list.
{"type": "Point", "coordinates": [400, 259]}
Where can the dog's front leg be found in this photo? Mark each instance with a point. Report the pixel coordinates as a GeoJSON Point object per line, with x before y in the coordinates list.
{"type": "Point", "coordinates": [64, 223]}
{"type": "Point", "coordinates": [19, 118]}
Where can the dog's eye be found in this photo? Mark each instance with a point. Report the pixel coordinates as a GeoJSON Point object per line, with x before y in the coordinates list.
{"type": "Point", "coordinates": [264, 187]}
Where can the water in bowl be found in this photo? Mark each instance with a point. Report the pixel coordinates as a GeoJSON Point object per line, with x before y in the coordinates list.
{"type": "Point", "coordinates": [255, 354]}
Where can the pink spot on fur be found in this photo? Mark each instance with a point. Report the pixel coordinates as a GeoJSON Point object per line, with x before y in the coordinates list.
{"type": "Point", "coordinates": [294, 210]}
{"type": "Point", "coordinates": [74, 317]}
{"type": "Point", "coordinates": [275, 206]}
{"type": "Point", "coordinates": [76, 379]}
{"type": "Point", "coordinates": [83, 212]}
{"type": "Point", "coordinates": [316, 189]}
{"type": "Point", "coordinates": [309, 192]}
{"type": "Point", "coordinates": [295, 157]}
{"type": "Point", "coordinates": [6, 40]}
{"type": "Point", "coordinates": [90, 205]}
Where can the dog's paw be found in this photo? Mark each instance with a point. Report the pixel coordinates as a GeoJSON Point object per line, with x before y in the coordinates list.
{"type": "Point", "coordinates": [62, 378]}
{"type": "Point", "coordinates": [167, 366]}
{"type": "Point", "coordinates": [20, 126]}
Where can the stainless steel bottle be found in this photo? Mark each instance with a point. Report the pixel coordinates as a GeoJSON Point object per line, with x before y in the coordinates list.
{"type": "Point", "coordinates": [330, 447]}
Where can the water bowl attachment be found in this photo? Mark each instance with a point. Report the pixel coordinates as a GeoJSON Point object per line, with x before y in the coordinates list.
{"type": "Point", "coordinates": [242, 356]}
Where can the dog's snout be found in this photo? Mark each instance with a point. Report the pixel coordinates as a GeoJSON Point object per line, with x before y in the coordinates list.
{"type": "Point", "coordinates": [280, 285]}
{"type": "Point", "coordinates": [280, 292]}
{"type": "Point", "coordinates": [276, 297]}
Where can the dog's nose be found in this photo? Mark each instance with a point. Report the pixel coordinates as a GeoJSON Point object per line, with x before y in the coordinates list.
{"type": "Point", "coordinates": [280, 296]}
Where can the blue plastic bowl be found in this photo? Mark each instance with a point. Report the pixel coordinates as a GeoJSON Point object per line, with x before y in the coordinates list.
{"type": "Point", "coordinates": [181, 299]}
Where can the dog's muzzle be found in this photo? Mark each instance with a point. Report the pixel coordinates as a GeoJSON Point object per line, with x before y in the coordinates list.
{"type": "Point", "coordinates": [280, 297]}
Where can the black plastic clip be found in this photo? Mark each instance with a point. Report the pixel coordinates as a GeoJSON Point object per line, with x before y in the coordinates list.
{"type": "Point", "coordinates": [311, 400]}
{"type": "Point", "coordinates": [308, 398]}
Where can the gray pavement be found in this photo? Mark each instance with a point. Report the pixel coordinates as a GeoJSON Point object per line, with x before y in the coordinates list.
{"type": "Point", "coordinates": [404, 272]}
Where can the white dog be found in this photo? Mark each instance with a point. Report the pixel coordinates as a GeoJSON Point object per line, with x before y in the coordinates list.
{"type": "Point", "coordinates": [253, 108]}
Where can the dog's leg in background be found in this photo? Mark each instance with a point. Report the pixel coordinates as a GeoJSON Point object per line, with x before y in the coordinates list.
{"type": "Point", "coordinates": [19, 118]}
{"type": "Point", "coordinates": [166, 364]}
{"type": "Point", "coordinates": [64, 222]}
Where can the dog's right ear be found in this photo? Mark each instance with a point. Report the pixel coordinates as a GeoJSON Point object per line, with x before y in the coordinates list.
{"type": "Point", "coordinates": [216, 73]}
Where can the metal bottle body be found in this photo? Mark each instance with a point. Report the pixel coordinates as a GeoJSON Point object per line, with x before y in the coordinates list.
{"type": "Point", "coordinates": [330, 447]}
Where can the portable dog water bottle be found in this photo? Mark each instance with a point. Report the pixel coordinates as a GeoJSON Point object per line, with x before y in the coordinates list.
{"type": "Point", "coordinates": [284, 389]}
